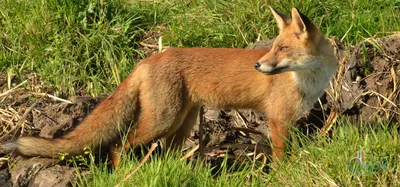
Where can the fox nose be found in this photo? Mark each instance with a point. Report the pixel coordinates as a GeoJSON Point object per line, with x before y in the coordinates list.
{"type": "Point", "coordinates": [257, 65]}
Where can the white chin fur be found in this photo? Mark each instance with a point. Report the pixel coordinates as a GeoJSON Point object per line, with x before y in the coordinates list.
{"type": "Point", "coordinates": [266, 68]}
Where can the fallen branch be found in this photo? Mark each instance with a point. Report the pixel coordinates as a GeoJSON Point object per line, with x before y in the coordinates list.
{"type": "Point", "coordinates": [201, 132]}
{"type": "Point", "coordinates": [52, 96]}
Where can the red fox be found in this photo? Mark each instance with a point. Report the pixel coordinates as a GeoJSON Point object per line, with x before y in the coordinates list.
{"type": "Point", "coordinates": [162, 96]}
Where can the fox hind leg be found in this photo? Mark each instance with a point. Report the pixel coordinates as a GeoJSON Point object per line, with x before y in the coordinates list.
{"type": "Point", "coordinates": [156, 120]}
{"type": "Point", "coordinates": [176, 140]}
{"type": "Point", "coordinates": [148, 128]}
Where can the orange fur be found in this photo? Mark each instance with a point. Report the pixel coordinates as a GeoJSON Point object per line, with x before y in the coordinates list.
{"type": "Point", "coordinates": [163, 94]}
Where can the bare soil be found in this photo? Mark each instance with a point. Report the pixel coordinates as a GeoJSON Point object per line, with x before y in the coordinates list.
{"type": "Point", "coordinates": [365, 90]}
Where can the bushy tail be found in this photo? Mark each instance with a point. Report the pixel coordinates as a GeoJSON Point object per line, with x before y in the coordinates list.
{"type": "Point", "coordinates": [101, 126]}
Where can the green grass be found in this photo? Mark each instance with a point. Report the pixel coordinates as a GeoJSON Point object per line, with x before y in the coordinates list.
{"type": "Point", "coordinates": [319, 162]}
{"type": "Point", "coordinates": [73, 45]}
{"type": "Point", "coordinates": [90, 46]}
{"type": "Point", "coordinates": [328, 161]}
{"type": "Point", "coordinates": [166, 170]}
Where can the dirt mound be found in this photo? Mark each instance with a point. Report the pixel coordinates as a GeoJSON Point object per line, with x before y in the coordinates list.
{"type": "Point", "coordinates": [365, 88]}
{"type": "Point", "coordinates": [25, 109]}
{"type": "Point", "coordinates": [370, 81]}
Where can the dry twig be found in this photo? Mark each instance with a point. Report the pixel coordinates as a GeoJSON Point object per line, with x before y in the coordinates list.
{"type": "Point", "coordinates": [153, 146]}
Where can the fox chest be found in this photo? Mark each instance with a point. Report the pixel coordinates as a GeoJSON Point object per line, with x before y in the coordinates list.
{"type": "Point", "coordinates": [311, 87]}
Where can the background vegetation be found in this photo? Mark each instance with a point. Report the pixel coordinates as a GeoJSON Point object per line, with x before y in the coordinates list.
{"type": "Point", "coordinates": [88, 47]}
{"type": "Point", "coordinates": [94, 44]}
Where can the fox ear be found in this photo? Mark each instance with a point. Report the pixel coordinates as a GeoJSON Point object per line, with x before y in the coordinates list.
{"type": "Point", "coordinates": [301, 24]}
{"type": "Point", "coordinates": [280, 18]}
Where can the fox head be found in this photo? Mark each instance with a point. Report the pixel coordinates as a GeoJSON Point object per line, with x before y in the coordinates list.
{"type": "Point", "coordinates": [298, 47]}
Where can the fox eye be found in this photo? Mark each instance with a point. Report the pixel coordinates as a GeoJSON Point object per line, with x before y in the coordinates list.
{"type": "Point", "coordinates": [283, 48]}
